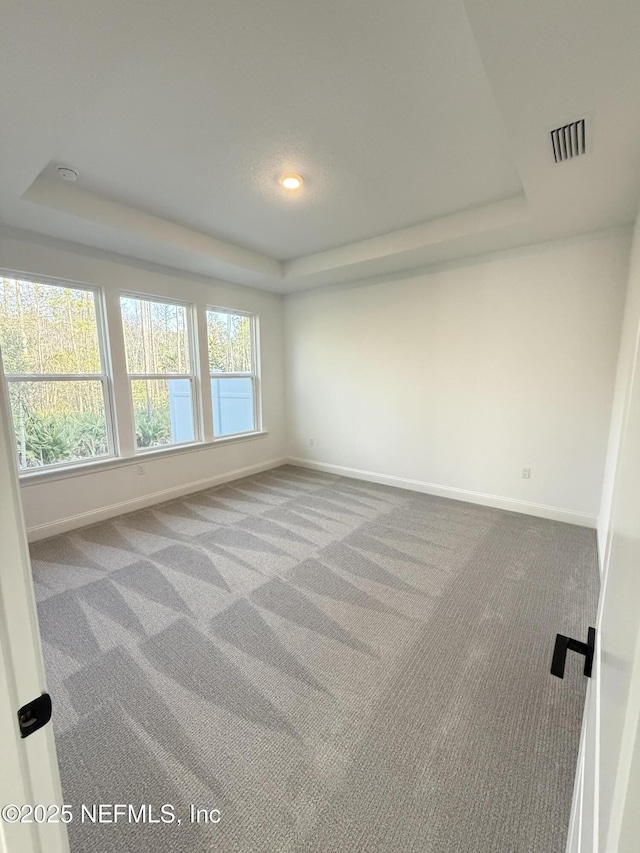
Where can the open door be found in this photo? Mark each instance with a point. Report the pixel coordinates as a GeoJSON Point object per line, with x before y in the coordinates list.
{"type": "Point", "coordinates": [606, 811]}
{"type": "Point", "coordinates": [29, 768]}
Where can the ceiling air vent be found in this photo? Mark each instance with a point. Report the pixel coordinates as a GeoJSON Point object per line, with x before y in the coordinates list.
{"type": "Point", "coordinates": [569, 141]}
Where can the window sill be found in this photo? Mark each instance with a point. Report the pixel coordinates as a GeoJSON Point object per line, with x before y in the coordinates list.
{"type": "Point", "coordinates": [34, 477]}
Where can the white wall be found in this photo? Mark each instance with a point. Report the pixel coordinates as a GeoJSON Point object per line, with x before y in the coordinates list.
{"type": "Point", "coordinates": [452, 381]}
{"type": "Point", "coordinates": [60, 504]}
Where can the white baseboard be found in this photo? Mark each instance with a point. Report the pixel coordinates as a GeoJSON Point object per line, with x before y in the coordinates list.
{"type": "Point", "coordinates": [83, 519]}
{"type": "Point", "coordinates": [62, 525]}
{"type": "Point", "coordinates": [527, 508]}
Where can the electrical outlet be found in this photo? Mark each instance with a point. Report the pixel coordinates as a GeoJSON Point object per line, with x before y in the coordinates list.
{"type": "Point", "coordinates": [312, 441]}
{"type": "Point", "coordinates": [141, 470]}
{"type": "Point", "coordinates": [526, 473]}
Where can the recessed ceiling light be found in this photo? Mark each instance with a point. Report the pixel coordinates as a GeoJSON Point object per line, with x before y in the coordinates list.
{"type": "Point", "coordinates": [290, 181]}
{"type": "Point", "coordinates": [67, 174]}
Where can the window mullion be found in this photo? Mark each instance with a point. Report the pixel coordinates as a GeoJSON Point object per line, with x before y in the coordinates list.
{"type": "Point", "coordinates": [202, 353]}
{"type": "Point", "coordinates": [123, 405]}
{"type": "Point", "coordinates": [256, 372]}
{"type": "Point", "coordinates": [54, 377]}
{"type": "Point", "coordinates": [160, 376]}
{"type": "Point", "coordinates": [112, 438]}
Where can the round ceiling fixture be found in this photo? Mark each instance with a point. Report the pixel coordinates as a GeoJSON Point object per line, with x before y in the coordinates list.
{"type": "Point", "coordinates": [291, 181]}
{"type": "Point", "coordinates": [67, 174]}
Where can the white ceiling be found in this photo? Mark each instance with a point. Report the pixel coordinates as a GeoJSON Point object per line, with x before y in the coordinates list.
{"type": "Point", "coordinates": [421, 128]}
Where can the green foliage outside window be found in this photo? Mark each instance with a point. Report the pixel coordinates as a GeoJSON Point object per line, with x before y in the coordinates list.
{"type": "Point", "coordinates": [229, 342]}
{"type": "Point", "coordinates": [48, 440]}
{"type": "Point", "coordinates": [153, 428]}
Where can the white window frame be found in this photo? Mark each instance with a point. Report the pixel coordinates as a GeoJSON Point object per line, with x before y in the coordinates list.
{"type": "Point", "coordinates": [254, 375]}
{"type": "Point", "coordinates": [105, 377]}
{"type": "Point", "coordinates": [193, 376]}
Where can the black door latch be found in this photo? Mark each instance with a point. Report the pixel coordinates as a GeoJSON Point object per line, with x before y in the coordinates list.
{"type": "Point", "coordinates": [564, 644]}
{"type": "Point", "coordinates": [34, 715]}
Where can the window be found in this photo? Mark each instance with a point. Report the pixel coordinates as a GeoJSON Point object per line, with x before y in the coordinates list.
{"type": "Point", "coordinates": [52, 342]}
{"type": "Point", "coordinates": [160, 365]}
{"type": "Point", "coordinates": [56, 358]}
{"type": "Point", "coordinates": [233, 367]}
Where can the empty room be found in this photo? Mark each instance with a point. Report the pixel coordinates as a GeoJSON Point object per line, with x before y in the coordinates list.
{"type": "Point", "coordinates": [320, 426]}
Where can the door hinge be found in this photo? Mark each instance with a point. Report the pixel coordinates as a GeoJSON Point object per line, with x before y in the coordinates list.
{"type": "Point", "coordinates": [34, 715]}
{"type": "Point", "coordinates": [565, 644]}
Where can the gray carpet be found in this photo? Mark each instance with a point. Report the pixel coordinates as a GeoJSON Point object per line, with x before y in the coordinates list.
{"type": "Point", "coordinates": [334, 665]}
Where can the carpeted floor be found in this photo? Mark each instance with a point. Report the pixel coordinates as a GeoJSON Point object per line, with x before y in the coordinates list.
{"type": "Point", "coordinates": [334, 665]}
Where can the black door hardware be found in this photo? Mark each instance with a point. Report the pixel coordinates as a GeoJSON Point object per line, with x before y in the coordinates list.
{"type": "Point", "coordinates": [564, 644]}
{"type": "Point", "coordinates": [34, 715]}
